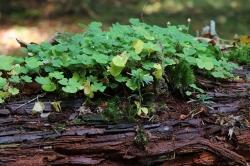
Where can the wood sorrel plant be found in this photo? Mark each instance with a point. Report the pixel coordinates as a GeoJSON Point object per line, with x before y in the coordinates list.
{"type": "Point", "coordinates": [130, 56]}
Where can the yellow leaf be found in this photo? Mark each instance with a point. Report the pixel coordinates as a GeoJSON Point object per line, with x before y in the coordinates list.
{"type": "Point", "coordinates": [138, 46]}
{"type": "Point", "coordinates": [120, 60]}
{"type": "Point", "coordinates": [141, 111]}
{"type": "Point", "coordinates": [245, 39]}
{"type": "Point", "coordinates": [87, 90]}
{"type": "Point", "coordinates": [118, 64]}
{"type": "Point", "coordinates": [144, 110]}
{"type": "Point", "coordinates": [158, 71]}
{"type": "Point", "coordinates": [56, 106]}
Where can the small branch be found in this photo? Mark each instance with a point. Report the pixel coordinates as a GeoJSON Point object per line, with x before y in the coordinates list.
{"type": "Point", "coordinates": [51, 40]}
{"type": "Point", "coordinates": [22, 43]}
{"type": "Point", "coordinates": [36, 98]}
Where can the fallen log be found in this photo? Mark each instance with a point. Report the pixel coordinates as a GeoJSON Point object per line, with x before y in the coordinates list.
{"type": "Point", "coordinates": [218, 136]}
{"type": "Point", "coordinates": [92, 146]}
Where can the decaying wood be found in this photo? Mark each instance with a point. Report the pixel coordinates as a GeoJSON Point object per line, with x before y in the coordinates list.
{"type": "Point", "coordinates": [87, 145]}
{"type": "Point", "coordinates": [203, 139]}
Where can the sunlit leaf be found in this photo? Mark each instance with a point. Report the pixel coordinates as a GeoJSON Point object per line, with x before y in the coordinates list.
{"type": "Point", "coordinates": [158, 71]}
{"type": "Point", "coordinates": [138, 46]}
{"type": "Point", "coordinates": [144, 110]}
{"type": "Point", "coordinates": [118, 63]}
{"type": "Point", "coordinates": [88, 90]}
{"type": "Point", "coordinates": [120, 60]}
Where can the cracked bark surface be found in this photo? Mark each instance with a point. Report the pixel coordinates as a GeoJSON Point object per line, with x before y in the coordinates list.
{"type": "Point", "coordinates": [204, 139]}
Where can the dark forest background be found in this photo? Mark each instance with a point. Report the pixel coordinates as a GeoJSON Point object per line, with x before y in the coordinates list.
{"type": "Point", "coordinates": [42, 18]}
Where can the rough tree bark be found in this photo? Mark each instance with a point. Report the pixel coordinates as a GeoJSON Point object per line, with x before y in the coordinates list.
{"type": "Point", "coordinates": [203, 139]}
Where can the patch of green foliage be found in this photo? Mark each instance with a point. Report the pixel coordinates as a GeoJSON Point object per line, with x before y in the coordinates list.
{"type": "Point", "coordinates": [128, 56]}
{"type": "Point", "coordinates": [240, 54]}
{"type": "Point", "coordinates": [113, 112]}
